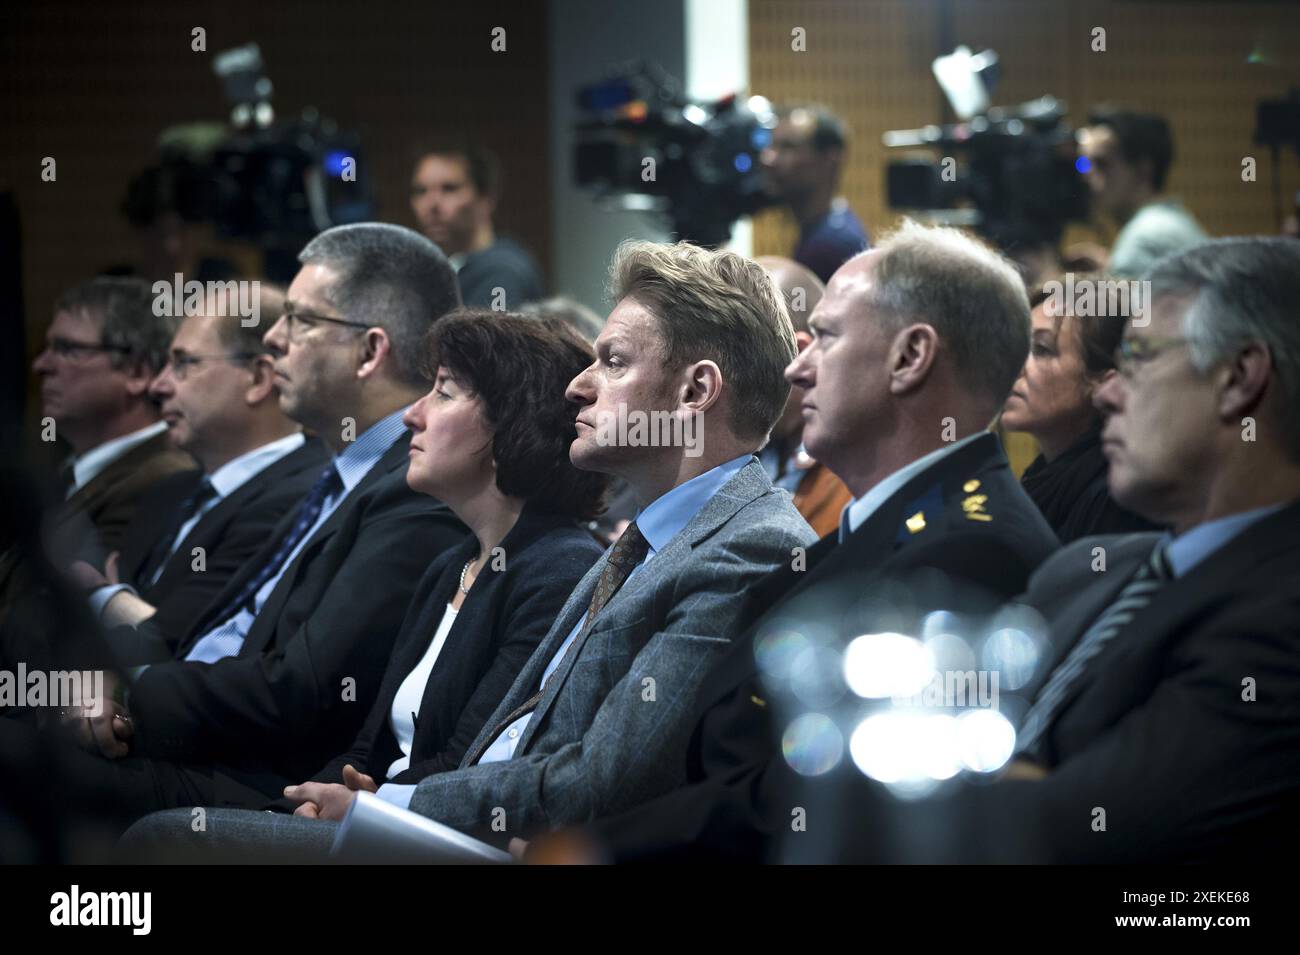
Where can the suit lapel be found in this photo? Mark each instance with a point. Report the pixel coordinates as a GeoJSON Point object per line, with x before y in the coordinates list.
{"type": "Point", "coordinates": [747, 484]}
{"type": "Point", "coordinates": [1187, 597]}
{"type": "Point", "coordinates": [264, 626]}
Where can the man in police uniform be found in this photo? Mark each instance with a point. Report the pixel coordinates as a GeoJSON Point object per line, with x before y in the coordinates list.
{"type": "Point", "coordinates": [1166, 727]}
{"type": "Point", "coordinates": [916, 345]}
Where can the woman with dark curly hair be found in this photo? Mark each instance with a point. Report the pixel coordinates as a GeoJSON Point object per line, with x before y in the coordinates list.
{"type": "Point", "coordinates": [491, 440]}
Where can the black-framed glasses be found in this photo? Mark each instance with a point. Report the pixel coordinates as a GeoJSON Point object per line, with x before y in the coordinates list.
{"type": "Point", "coordinates": [181, 364]}
{"type": "Point", "coordinates": [67, 348]}
{"type": "Point", "coordinates": [307, 320]}
{"type": "Point", "coordinates": [1133, 352]}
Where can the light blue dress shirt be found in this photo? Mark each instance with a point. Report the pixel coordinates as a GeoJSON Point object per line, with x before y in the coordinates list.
{"type": "Point", "coordinates": [227, 638]}
{"type": "Point", "coordinates": [857, 511]}
{"type": "Point", "coordinates": [229, 478]}
{"type": "Point", "coordinates": [1188, 549]}
{"type": "Point", "coordinates": [659, 523]}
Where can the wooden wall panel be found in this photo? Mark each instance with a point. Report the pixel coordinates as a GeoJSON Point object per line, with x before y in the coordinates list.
{"type": "Point", "coordinates": [1202, 64]}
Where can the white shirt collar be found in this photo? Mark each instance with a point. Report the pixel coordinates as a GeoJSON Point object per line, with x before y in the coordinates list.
{"type": "Point", "coordinates": [86, 467]}
{"type": "Point", "coordinates": [234, 474]}
{"type": "Point", "coordinates": [857, 511]}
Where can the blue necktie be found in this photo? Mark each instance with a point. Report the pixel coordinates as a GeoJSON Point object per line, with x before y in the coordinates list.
{"type": "Point", "coordinates": [1132, 600]}
{"type": "Point", "coordinates": [328, 483]}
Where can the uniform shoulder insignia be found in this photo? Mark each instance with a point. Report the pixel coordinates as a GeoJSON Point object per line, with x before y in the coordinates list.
{"type": "Point", "coordinates": [757, 701]}
{"type": "Point", "coordinates": [973, 504]}
{"type": "Point", "coordinates": [931, 502]}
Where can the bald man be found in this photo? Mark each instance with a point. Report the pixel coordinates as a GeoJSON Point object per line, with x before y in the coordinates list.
{"type": "Point", "coordinates": [819, 495]}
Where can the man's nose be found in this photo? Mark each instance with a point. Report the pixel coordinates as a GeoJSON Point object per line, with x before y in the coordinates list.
{"type": "Point", "coordinates": [1108, 397]}
{"type": "Point", "coordinates": [799, 371]}
{"type": "Point", "coordinates": [277, 336]}
{"type": "Point", "coordinates": [161, 386]}
{"type": "Point", "coordinates": [579, 390]}
{"type": "Point", "coordinates": [43, 363]}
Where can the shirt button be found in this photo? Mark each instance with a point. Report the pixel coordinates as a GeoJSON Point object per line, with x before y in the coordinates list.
{"type": "Point", "coordinates": [513, 732]}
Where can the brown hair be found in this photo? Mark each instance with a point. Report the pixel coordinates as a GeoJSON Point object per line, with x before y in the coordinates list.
{"type": "Point", "coordinates": [519, 368]}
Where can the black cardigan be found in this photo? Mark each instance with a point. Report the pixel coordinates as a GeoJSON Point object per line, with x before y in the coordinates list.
{"type": "Point", "coordinates": [500, 624]}
{"type": "Point", "coordinates": [1072, 493]}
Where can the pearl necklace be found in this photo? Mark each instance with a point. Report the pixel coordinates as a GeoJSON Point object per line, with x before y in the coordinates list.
{"type": "Point", "coordinates": [463, 571]}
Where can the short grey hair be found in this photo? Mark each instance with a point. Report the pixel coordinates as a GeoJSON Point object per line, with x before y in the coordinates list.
{"type": "Point", "coordinates": [1242, 289]}
{"type": "Point", "coordinates": [391, 277]}
{"type": "Point", "coordinates": [123, 306]}
{"type": "Point", "coordinates": [573, 313]}
{"type": "Point", "coordinates": [972, 296]}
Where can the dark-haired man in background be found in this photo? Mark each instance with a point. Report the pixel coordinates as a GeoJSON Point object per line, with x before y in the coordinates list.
{"type": "Point", "coordinates": [1128, 156]}
{"type": "Point", "coordinates": [454, 193]}
{"type": "Point", "coordinates": [802, 170]}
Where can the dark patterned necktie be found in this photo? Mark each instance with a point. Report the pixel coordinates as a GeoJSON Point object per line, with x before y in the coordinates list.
{"type": "Point", "coordinates": [165, 546]}
{"type": "Point", "coordinates": [1132, 600]}
{"type": "Point", "coordinates": [629, 550]}
{"type": "Point", "coordinates": [309, 511]}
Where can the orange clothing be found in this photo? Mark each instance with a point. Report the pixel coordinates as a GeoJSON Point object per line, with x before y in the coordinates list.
{"type": "Point", "coordinates": [820, 498]}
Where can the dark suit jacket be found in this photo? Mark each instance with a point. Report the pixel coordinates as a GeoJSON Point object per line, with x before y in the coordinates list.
{"type": "Point", "coordinates": [297, 692]}
{"type": "Point", "coordinates": [503, 619]}
{"type": "Point", "coordinates": [231, 534]}
{"type": "Point", "coordinates": [1184, 730]}
{"type": "Point", "coordinates": [112, 500]}
{"type": "Point", "coordinates": [966, 516]}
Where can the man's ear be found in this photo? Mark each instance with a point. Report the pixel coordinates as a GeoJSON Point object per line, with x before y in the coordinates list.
{"type": "Point", "coordinates": [911, 357]}
{"type": "Point", "coordinates": [262, 384]}
{"type": "Point", "coordinates": [139, 378]}
{"type": "Point", "coordinates": [701, 386]}
{"type": "Point", "coordinates": [1243, 381]}
{"type": "Point", "coordinates": [1097, 382]}
{"type": "Point", "coordinates": [376, 348]}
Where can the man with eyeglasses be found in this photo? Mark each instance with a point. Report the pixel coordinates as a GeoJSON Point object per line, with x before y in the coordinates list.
{"type": "Point", "coordinates": [219, 402]}
{"type": "Point", "coordinates": [275, 674]}
{"type": "Point", "coordinates": [102, 350]}
{"type": "Point", "coordinates": [1165, 725]}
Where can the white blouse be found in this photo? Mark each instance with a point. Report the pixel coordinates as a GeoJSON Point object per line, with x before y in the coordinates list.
{"type": "Point", "coordinates": [406, 704]}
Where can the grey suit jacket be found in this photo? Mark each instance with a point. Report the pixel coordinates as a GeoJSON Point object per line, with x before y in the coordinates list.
{"type": "Point", "coordinates": [612, 729]}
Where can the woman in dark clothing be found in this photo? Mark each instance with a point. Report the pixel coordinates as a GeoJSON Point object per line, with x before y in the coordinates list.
{"type": "Point", "coordinates": [1069, 357]}
{"type": "Point", "coordinates": [491, 440]}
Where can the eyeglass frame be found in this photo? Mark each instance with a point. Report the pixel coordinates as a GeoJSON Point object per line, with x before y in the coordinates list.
{"type": "Point", "coordinates": [180, 370]}
{"type": "Point", "coordinates": [1130, 355]}
{"type": "Point", "coordinates": [289, 315]}
{"type": "Point", "coordinates": [66, 348]}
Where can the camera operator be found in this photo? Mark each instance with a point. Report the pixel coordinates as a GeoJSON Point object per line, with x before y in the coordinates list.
{"type": "Point", "coordinates": [454, 192]}
{"type": "Point", "coordinates": [802, 170]}
{"type": "Point", "coordinates": [1128, 158]}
